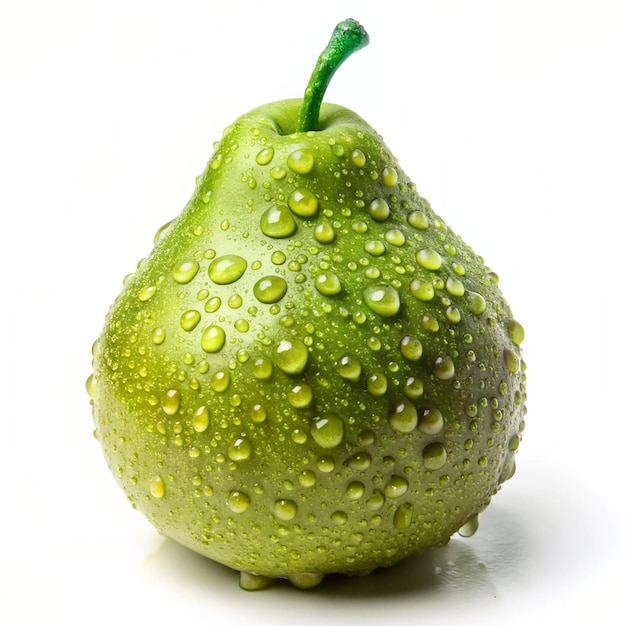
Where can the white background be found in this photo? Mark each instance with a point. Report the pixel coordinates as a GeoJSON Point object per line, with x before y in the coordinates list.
{"type": "Point", "coordinates": [510, 118]}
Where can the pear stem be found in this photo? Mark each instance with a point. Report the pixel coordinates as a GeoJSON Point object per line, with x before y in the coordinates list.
{"type": "Point", "coordinates": [348, 37]}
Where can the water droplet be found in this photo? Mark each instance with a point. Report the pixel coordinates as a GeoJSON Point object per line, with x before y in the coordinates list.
{"type": "Point", "coordinates": [303, 203]}
{"type": "Point", "coordinates": [270, 289]}
{"type": "Point", "coordinates": [157, 487]}
{"type": "Point", "coordinates": [395, 237]}
{"type": "Point", "coordinates": [300, 396]}
{"type": "Point", "coordinates": [476, 303]}
{"type": "Point", "coordinates": [349, 367]}
{"type": "Point", "coordinates": [454, 286]}
{"type": "Point", "coordinates": [418, 220]}
{"type": "Point", "coordinates": [213, 339]}
{"type": "Point", "coordinates": [396, 487]}
{"type": "Point", "coordinates": [430, 421]}
{"type": "Point", "coordinates": [91, 386]}
{"type": "Point", "coordinates": [220, 381]}
{"type": "Point", "coordinates": [291, 356]}
{"type": "Point", "coordinates": [511, 360]}
{"type": "Point", "coordinates": [301, 161]}
{"type": "Point", "coordinates": [242, 325]}
{"type": "Point", "coordinates": [379, 209]}
{"type": "Point", "coordinates": [403, 418]}
{"type": "Point", "coordinates": [213, 304]}
{"type": "Point", "coordinates": [516, 332]}
{"type": "Point", "coordinates": [453, 314]}
{"type": "Point", "coordinates": [189, 320]}
{"type": "Point", "coordinates": [328, 283]}
{"type": "Point", "coordinates": [200, 419]}
{"type": "Point", "coordinates": [324, 232]}
{"type": "Point", "coordinates": [326, 464]}
{"type": "Point", "coordinates": [355, 490]}
{"type": "Point", "coordinates": [422, 290]}
{"type": "Point", "coordinates": [265, 156]}
{"type": "Point", "coordinates": [235, 301]}
{"type": "Point", "coordinates": [430, 323]}
{"type": "Point", "coordinates": [327, 430]}
{"type": "Point", "coordinates": [258, 413]}
{"type": "Point", "coordinates": [285, 510]}
{"type": "Point", "coordinates": [146, 293]}
{"type": "Point", "coordinates": [377, 384]}
{"type": "Point", "coordinates": [411, 348]}
{"type": "Point", "coordinates": [358, 158]}
{"type": "Point", "coordinates": [227, 269]}
{"type": "Point", "coordinates": [469, 528]}
{"type": "Point", "coordinates": [307, 478]}
{"type": "Point", "coordinates": [382, 299]}
{"type": "Point", "coordinates": [389, 176]}
{"type": "Point", "coordinates": [376, 501]}
{"type": "Point", "coordinates": [238, 501]}
{"type": "Point", "coordinates": [374, 247]}
{"type": "Point", "coordinates": [158, 336]}
{"type": "Point", "coordinates": [185, 271]}
{"type": "Point", "coordinates": [444, 368]}
{"type": "Point", "coordinates": [160, 234]}
{"type": "Point", "coordinates": [429, 259]}
{"type": "Point", "coordinates": [240, 449]}
{"type": "Point", "coordinates": [414, 388]}
{"type": "Point", "coordinates": [360, 461]}
{"type": "Point", "coordinates": [262, 368]}
{"type": "Point", "coordinates": [278, 257]}
{"type": "Point", "coordinates": [403, 516]}
{"type": "Point", "coordinates": [278, 172]}
{"type": "Point", "coordinates": [434, 455]}
{"type": "Point", "coordinates": [170, 403]}
{"type": "Point", "coordinates": [277, 222]}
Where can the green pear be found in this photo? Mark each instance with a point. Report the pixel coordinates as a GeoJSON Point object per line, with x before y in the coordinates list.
{"type": "Point", "coordinates": [310, 373]}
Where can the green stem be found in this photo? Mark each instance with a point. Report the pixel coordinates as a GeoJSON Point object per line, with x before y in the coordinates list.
{"type": "Point", "coordinates": [348, 37]}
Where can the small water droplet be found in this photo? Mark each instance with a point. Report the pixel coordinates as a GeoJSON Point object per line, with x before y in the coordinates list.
{"type": "Point", "coordinates": [91, 386]}
{"type": "Point", "coordinates": [158, 336]}
{"type": "Point", "coordinates": [189, 320]}
{"type": "Point", "coordinates": [303, 202]}
{"type": "Point", "coordinates": [220, 381]}
{"type": "Point", "coordinates": [213, 339]}
{"type": "Point", "coordinates": [301, 161]}
{"type": "Point", "coordinates": [200, 419]}
{"type": "Point", "coordinates": [374, 247]}
{"type": "Point", "coordinates": [238, 501]}
{"type": "Point", "coordinates": [258, 413]}
{"type": "Point", "coordinates": [285, 510]}
{"type": "Point", "coordinates": [395, 237]}
{"type": "Point", "coordinates": [453, 314]}
{"type": "Point", "coordinates": [277, 222]}
{"type": "Point", "coordinates": [270, 289]}
{"type": "Point", "coordinates": [382, 299]}
{"type": "Point", "coordinates": [414, 388]}
{"type": "Point", "coordinates": [429, 259]}
{"type": "Point", "coordinates": [227, 269]}
{"type": "Point", "coordinates": [157, 487]}
{"type": "Point", "coordinates": [327, 430]}
{"type": "Point", "coordinates": [470, 527]}
{"type": "Point", "coordinates": [358, 158]}
{"type": "Point", "coordinates": [434, 456]}
{"type": "Point", "coordinates": [307, 478]}
{"type": "Point", "coordinates": [170, 403]}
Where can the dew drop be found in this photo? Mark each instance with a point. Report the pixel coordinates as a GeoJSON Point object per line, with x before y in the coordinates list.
{"type": "Point", "coordinates": [358, 158]}
{"type": "Point", "coordinates": [360, 461]}
{"type": "Point", "coordinates": [170, 403]}
{"type": "Point", "coordinates": [377, 384]}
{"type": "Point", "coordinates": [146, 293]}
{"type": "Point", "coordinates": [290, 356]}
{"type": "Point", "coordinates": [454, 286]}
{"type": "Point", "coordinates": [326, 464]}
{"type": "Point", "coordinates": [349, 367]}
{"type": "Point", "coordinates": [355, 490]}
{"type": "Point", "coordinates": [476, 303]}
{"type": "Point", "coordinates": [470, 527]}
{"type": "Point", "coordinates": [189, 320]}
{"type": "Point", "coordinates": [307, 478]}
{"type": "Point", "coordinates": [418, 220]}
{"type": "Point", "coordinates": [434, 456]}
{"type": "Point", "coordinates": [396, 487]}
{"type": "Point", "coordinates": [91, 386]}
{"type": "Point", "coordinates": [265, 156]}
{"type": "Point", "coordinates": [422, 290]}
{"type": "Point", "coordinates": [277, 222]}
{"type": "Point", "coordinates": [324, 232]}
{"type": "Point", "coordinates": [429, 259]}
{"type": "Point", "coordinates": [327, 431]}
{"type": "Point", "coordinates": [516, 332]}
{"type": "Point", "coordinates": [382, 299]}
{"type": "Point", "coordinates": [300, 396]}
{"type": "Point", "coordinates": [158, 336]}
{"type": "Point", "coordinates": [285, 510]}
{"type": "Point", "coordinates": [238, 501]}
{"type": "Point", "coordinates": [444, 368]}
{"type": "Point", "coordinates": [185, 271]}
{"type": "Point", "coordinates": [213, 339]}
{"type": "Point", "coordinates": [453, 314]}
{"type": "Point", "coordinates": [301, 161]}
{"type": "Point", "coordinates": [389, 177]}
{"type": "Point", "coordinates": [200, 419]}
{"type": "Point", "coordinates": [411, 348]}
{"type": "Point", "coordinates": [157, 487]}
{"type": "Point", "coordinates": [270, 289]}
{"type": "Point", "coordinates": [258, 413]}
{"type": "Point", "coordinates": [303, 203]}
{"type": "Point", "coordinates": [220, 381]}
{"type": "Point", "coordinates": [395, 237]}
{"type": "Point", "coordinates": [278, 257]}
{"type": "Point", "coordinates": [376, 501]}
{"type": "Point", "coordinates": [227, 269]}
{"type": "Point", "coordinates": [262, 368]}
{"type": "Point", "coordinates": [414, 388]}
{"type": "Point", "coordinates": [511, 360]}
{"type": "Point", "coordinates": [328, 283]}
{"type": "Point", "coordinates": [339, 518]}
{"type": "Point", "coordinates": [240, 449]}
{"type": "Point", "coordinates": [379, 209]}
{"type": "Point", "coordinates": [403, 418]}
{"type": "Point", "coordinates": [278, 172]}
{"type": "Point", "coordinates": [430, 421]}
{"type": "Point", "coordinates": [374, 247]}
{"type": "Point", "coordinates": [403, 516]}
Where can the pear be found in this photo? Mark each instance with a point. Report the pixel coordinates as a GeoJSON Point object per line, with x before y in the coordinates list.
{"type": "Point", "coordinates": [310, 373]}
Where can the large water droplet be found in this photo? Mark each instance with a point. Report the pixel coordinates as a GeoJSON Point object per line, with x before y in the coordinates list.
{"type": "Point", "coordinates": [285, 510]}
{"type": "Point", "coordinates": [146, 293]}
{"type": "Point", "coordinates": [403, 516]}
{"type": "Point", "coordinates": [290, 356]}
{"type": "Point", "coordinates": [265, 156]}
{"type": "Point", "coordinates": [189, 320]}
{"type": "Point", "coordinates": [349, 367]}
{"type": "Point", "coordinates": [213, 339]}
{"type": "Point", "coordinates": [396, 487]}
{"type": "Point", "coordinates": [389, 176]}
{"type": "Point", "coordinates": [411, 348]}
{"type": "Point", "coordinates": [157, 487]}
{"type": "Point", "coordinates": [227, 269]}
{"type": "Point", "coordinates": [444, 368]}
{"type": "Point", "coordinates": [301, 161]}
{"type": "Point", "coordinates": [324, 232]}
{"type": "Point", "coordinates": [377, 384]}
{"type": "Point", "coordinates": [403, 418]}
{"type": "Point", "coordinates": [430, 421]}
{"type": "Point", "coordinates": [328, 283]}
{"type": "Point", "coordinates": [170, 403]}
{"type": "Point", "coordinates": [240, 449]}
{"type": "Point", "coordinates": [511, 360]}
{"type": "Point", "coordinates": [470, 527]}
{"type": "Point", "coordinates": [185, 271]}
{"type": "Point", "coordinates": [327, 430]}
{"type": "Point", "coordinates": [476, 303]}
{"type": "Point", "coordinates": [200, 419]}
{"type": "Point", "coordinates": [303, 203]}
{"type": "Point", "coordinates": [300, 396]}
{"type": "Point", "coordinates": [379, 209]}
{"type": "Point", "coordinates": [382, 299]}
{"type": "Point", "coordinates": [434, 455]}
{"type": "Point", "coordinates": [516, 332]}
{"type": "Point", "coordinates": [454, 286]}
{"type": "Point", "coordinates": [262, 368]}
{"type": "Point", "coordinates": [355, 490]}
{"type": "Point", "coordinates": [277, 222]}
{"type": "Point", "coordinates": [238, 501]}
{"type": "Point", "coordinates": [270, 289]}
{"type": "Point", "coordinates": [429, 259]}
{"type": "Point", "coordinates": [358, 158]}
{"type": "Point", "coordinates": [418, 220]}
{"type": "Point", "coordinates": [422, 290]}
